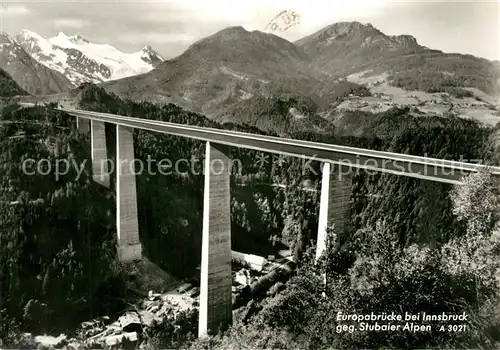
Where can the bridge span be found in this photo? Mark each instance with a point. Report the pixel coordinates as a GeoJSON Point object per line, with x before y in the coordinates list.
{"type": "Point", "coordinates": [216, 278]}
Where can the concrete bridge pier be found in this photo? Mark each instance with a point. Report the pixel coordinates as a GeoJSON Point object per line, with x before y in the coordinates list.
{"type": "Point", "coordinates": [216, 277]}
{"type": "Point", "coordinates": [82, 125]}
{"type": "Point", "coordinates": [335, 202]}
{"type": "Point", "coordinates": [127, 225]}
{"type": "Point", "coordinates": [100, 172]}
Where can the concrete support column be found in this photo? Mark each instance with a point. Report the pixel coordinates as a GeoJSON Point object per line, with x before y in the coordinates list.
{"type": "Point", "coordinates": [127, 226]}
{"type": "Point", "coordinates": [216, 278]}
{"type": "Point", "coordinates": [100, 171]}
{"type": "Point", "coordinates": [83, 125]}
{"type": "Point", "coordinates": [334, 205]}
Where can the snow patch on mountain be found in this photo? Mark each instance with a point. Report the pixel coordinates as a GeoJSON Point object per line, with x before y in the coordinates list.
{"type": "Point", "coordinates": [83, 61]}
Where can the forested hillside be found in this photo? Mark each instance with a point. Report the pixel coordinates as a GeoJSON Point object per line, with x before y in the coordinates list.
{"type": "Point", "coordinates": [57, 235]}
{"type": "Point", "coordinates": [382, 276]}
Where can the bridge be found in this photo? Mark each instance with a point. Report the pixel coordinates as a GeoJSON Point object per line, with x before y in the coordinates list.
{"type": "Point", "coordinates": [215, 283]}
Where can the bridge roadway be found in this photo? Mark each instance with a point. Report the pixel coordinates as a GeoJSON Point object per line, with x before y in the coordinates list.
{"type": "Point", "coordinates": [433, 169]}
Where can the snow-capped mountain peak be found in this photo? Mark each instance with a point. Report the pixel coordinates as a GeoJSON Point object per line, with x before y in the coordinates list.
{"type": "Point", "coordinates": [32, 76]}
{"type": "Point", "coordinates": [83, 61]}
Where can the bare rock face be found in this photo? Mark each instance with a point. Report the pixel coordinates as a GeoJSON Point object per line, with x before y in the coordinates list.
{"type": "Point", "coordinates": [50, 342]}
{"type": "Point", "coordinates": [8, 87]}
{"type": "Point", "coordinates": [128, 329]}
{"type": "Point", "coordinates": [406, 41]}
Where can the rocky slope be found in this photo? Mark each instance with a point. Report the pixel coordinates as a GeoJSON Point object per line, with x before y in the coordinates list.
{"type": "Point", "coordinates": [8, 87]}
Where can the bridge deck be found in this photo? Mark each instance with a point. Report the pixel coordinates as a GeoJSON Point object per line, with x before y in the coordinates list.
{"type": "Point", "coordinates": [432, 169]}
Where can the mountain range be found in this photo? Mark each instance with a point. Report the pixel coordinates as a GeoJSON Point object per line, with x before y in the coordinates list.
{"type": "Point", "coordinates": [47, 66]}
{"type": "Point", "coordinates": [82, 61]}
{"type": "Point", "coordinates": [229, 75]}
{"type": "Point", "coordinates": [31, 75]}
{"type": "Point", "coordinates": [240, 75]}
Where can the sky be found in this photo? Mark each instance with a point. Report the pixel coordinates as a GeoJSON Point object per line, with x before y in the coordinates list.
{"type": "Point", "coordinates": [170, 26]}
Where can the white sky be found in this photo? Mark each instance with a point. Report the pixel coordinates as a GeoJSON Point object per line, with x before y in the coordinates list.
{"type": "Point", "coordinates": [171, 26]}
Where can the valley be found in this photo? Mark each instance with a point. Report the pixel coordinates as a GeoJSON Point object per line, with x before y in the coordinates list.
{"type": "Point", "coordinates": [404, 244]}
